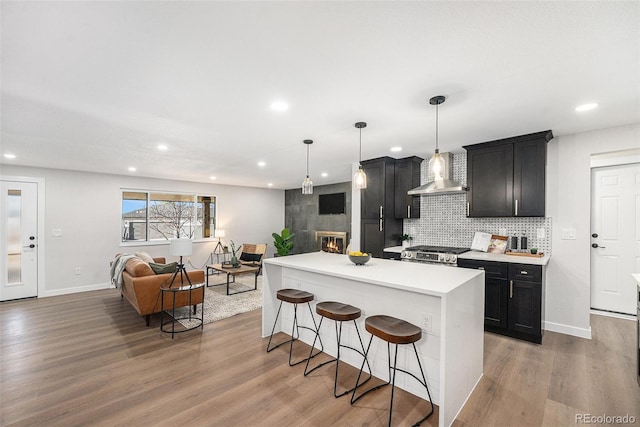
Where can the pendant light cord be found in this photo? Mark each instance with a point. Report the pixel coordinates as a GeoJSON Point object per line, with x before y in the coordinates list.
{"type": "Point", "coordinates": [307, 160]}
{"type": "Point", "coordinates": [437, 128]}
{"type": "Point", "coordinates": [360, 155]}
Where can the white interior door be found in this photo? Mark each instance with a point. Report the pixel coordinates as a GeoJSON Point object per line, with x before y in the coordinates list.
{"type": "Point", "coordinates": [615, 238]}
{"type": "Point", "coordinates": [19, 240]}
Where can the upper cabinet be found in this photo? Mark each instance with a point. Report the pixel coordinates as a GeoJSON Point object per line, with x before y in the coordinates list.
{"type": "Point", "coordinates": [507, 177]}
{"type": "Point", "coordinates": [407, 178]}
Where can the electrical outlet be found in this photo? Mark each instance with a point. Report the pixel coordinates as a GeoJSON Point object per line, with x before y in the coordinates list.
{"type": "Point", "coordinates": [426, 322]}
{"type": "Point", "coordinates": [503, 231]}
{"type": "Point", "coordinates": [76, 270]}
{"type": "Point", "coordinates": [541, 234]}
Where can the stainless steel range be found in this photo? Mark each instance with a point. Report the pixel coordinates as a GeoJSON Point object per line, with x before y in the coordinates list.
{"type": "Point", "coordinates": [433, 254]}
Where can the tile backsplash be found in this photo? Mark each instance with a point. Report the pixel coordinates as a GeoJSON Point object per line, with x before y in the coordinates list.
{"type": "Point", "coordinates": [443, 219]}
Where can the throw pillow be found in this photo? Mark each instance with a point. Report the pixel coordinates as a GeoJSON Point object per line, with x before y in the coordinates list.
{"type": "Point", "coordinates": [244, 256]}
{"type": "Point", "coordinates": [138, 268]}
{"type": "Point", "coordinates": [144, 256]}
{"type": "Point", "coordinates": [163, 268]}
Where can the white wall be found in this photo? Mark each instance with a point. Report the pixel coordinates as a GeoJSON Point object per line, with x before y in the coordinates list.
{"type": "Point", "coordinates": [569, 204]}
{"type": "Point", "coordinates": [87, 207]}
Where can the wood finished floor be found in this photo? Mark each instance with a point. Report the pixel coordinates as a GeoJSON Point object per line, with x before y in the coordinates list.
{"type": "Point", "coordinates": [88, 359]}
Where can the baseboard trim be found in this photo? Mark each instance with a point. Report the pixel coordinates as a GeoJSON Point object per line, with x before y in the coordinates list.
{"type": "Point", "coordinates": [611, 314]}
{"type": "Point", "coordinates": [75, 290]}
{"type": "Point", "coordinates": [568, 330]}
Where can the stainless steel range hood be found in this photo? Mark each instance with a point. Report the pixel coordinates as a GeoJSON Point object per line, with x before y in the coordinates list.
{"type": "Point", "coordinates": [440, 186]}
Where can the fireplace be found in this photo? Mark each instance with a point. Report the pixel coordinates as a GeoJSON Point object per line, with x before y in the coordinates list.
{"type": "Point", "coordinates": [331, 241]}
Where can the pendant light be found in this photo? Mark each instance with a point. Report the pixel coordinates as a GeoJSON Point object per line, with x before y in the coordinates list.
{"type": "Point", "coordinates": [307, 184]}
{"type": "Point", "coordinates": [436, 163]}
{"type": "Point", "coordinates": [360, 178]}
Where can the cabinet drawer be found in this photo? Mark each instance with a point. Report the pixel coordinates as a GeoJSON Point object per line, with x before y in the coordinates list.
{"type": "Point", "coordinates": [525, 272]}
{"type": "Point", "coordinates": [493, 269]}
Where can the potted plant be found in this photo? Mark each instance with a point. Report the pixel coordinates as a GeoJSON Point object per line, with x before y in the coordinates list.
{"type": "Point", "coordinates": [283, 242]}
{"type": "Point", "coordinates": [534, 251]}
{"type": "Point", "coordinates": [406, 239]}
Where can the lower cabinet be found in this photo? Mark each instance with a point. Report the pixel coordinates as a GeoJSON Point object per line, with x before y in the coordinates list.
{"type": "Point", "coordinates": [513, 303]}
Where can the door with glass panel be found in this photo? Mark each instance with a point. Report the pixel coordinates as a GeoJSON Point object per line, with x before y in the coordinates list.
{"type": "Point", "coordinates": [19, 240]}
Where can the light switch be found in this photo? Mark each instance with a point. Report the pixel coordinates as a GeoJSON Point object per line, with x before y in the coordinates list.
{"type": "Point", "coordinates": [56, 232]}
{"type": "Point", "coordinates": [568, 234]}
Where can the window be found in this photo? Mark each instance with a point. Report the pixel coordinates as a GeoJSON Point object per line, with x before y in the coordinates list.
{"type": "Point", "coordinates": [156, 216]}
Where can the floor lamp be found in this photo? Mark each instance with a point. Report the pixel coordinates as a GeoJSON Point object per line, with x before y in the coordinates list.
{"type": "Point", "coordinates": [180, 247]}
{"type": "Point", "coordinates": [219, 249]}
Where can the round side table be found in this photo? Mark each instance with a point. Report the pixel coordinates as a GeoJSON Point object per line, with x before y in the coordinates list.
{"type": "Point", "coordinates": [171, 293]}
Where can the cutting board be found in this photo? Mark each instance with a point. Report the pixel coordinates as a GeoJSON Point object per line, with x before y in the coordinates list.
{"type": "Point", "coordinates": [538, 255]}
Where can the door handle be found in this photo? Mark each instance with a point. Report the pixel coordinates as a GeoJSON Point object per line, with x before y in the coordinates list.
{"type": "Point", "coordinates": [468, 208]}
{"type": "Point", "coordinates": [516, 207]}
{"type": "Point", "coordinates": [595, 245]}
{"type": "Point", "coordinates": [408, 211]}
{"type": "Point", "coordinates": [381, 216]}
{"type": "Point", "coordinates": [510, 288]}
{"type": "Point", "coordinates": [30, 246]}
{"type": "Point", "coordinates": [381, 226]}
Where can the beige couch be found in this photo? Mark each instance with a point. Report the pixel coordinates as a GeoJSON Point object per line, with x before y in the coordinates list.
{"type": "Point", "coordinates": [141, 287]}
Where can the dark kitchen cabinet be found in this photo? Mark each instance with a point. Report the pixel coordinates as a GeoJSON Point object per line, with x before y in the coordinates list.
{"type": "Point", "coordinates": [407, 177]}
{"type": "Point", "coordinates": [507, 177]}
{"type": "Point", "coordinates": [379, 227]}
{"type": "Point", "coordinates": [513, 298]}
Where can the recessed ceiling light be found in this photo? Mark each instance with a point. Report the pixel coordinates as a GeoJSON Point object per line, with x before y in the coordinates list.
{"type": "Point", "coordinates": [261, 164]}
{"type": "Point", "coordinates": [9, 156]}
{"type": "Point", "coordinates": [587, 107]}
{"type": "Point", "coordinates": [212, 178]}
{"type": "Point", "coordinates": [396, 149]}
{"type": "Point", "coordinates": [132, 169]}
{"type": "Point", "coordinates": [270, 184]}
{"type": "Point", "coordinates": [279, 106]}
{"type": "Point", "coordinates": [162, 147]}
{"type": "Point", "coordinates": [324, 174]}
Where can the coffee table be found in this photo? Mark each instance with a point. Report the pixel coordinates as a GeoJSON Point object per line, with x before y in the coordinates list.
{"type": "Point", "coordinates": [233, 272]}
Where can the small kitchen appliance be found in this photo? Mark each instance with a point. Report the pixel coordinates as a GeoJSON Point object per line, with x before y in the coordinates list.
{"type": "Point", "coordinates": [433, 254]}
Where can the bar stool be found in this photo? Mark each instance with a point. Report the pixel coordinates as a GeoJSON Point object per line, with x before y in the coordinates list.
{"type": "Point", "coordinates": [393, 331]}
{"type": "Point", "coordinates": [295, 297]}
{"type": "Point", "coordinates": [338, 312]}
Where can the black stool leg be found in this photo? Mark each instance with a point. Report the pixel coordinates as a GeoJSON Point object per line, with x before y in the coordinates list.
{"type": "Point", "coordinates": [366, 357]}
{"type": "Point", "coordinates": [425, 386]}
{"type": "Point", "coordinates": [295, 333]}
{"type": "Point", "coordinates": [307, 371]}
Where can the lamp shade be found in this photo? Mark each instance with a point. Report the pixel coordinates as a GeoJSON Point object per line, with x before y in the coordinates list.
{"type": "Point", "coordinates": [181, 247]}
{"type": "Point", "coordinates": [218, 233]}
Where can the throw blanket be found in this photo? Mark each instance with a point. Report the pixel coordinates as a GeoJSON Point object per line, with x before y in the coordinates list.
{"type": "Point", "coordinates": [118, 267]}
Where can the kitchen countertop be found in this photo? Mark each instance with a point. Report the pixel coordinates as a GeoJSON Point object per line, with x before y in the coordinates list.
{"type": "Point", "coordinates": [485, 256]}
{"type": "Point", "coordinates": [422, 278]}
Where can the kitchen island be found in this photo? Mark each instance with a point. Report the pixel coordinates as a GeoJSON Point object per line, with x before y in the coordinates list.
{"type": "Point", "coordinates": [447, 303]}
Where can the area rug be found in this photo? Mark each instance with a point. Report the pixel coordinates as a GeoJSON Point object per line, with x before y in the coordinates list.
{"type": "Point", "coordinates": [218, 305]}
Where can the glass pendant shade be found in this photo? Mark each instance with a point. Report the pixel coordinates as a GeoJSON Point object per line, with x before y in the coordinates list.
{"type": "Point", "coordinates": [436, 166]}
{"type": "Point", "coordinates": [359, 179]}
{"type": "Point", "coordinates": [307, 186]}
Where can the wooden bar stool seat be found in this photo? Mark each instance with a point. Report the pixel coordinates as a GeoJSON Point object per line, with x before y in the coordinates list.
{"type": "Point", "coordinates": [295, 297]}
{"type": "Point", "coordinates": [339, 312]}
{"type": "Point", "coordinates": [399, 332]}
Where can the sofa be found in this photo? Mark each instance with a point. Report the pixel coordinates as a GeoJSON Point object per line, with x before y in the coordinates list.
{"type": "Point", "coordinates": [141, 287]}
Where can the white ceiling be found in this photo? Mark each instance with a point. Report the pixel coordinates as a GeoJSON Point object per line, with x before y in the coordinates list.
{"type": "Point", "coordinates": [96, 86]}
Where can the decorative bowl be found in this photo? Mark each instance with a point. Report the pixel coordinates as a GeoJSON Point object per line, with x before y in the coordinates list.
{"type": "Point", "coordinates": [360, 259]}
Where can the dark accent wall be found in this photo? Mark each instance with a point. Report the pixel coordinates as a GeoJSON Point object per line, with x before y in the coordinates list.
{"type": "Point", "coordinates": [301, 215]}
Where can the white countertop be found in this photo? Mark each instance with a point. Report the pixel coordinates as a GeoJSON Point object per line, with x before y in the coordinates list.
{"type": "Point", "coordinates": [485, 256]}
{"type": "Point", "coordinates": [422, 278]}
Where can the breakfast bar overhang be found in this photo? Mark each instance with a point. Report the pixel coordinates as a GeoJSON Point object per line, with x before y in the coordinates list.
{"type": "Point", "coordinates": [447, 303]}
